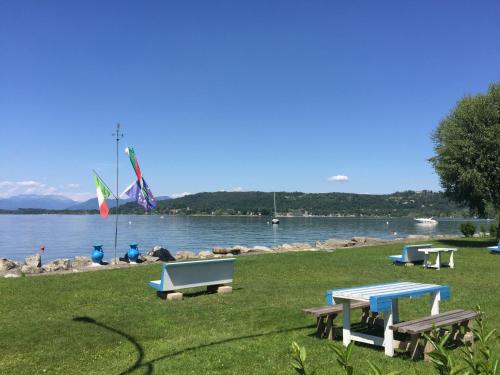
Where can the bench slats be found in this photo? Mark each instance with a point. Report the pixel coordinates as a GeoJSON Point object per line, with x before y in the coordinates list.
{"type": "Point", "coordinates": [428, 318]}
{"type": "Point", "coordinates": [440, 320]}
{"type": "Point", "coordinates": [333, 309]}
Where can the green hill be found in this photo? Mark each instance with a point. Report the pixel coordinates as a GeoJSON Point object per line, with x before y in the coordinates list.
{"type": "Point", "coordinates": [399, 204]}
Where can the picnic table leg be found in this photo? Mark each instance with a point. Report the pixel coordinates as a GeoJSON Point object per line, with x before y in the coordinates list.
{"type": "Point", "coordinates": [438, 260]}
{"type": "Point", "coordinates": [426, 259]}
{"type": "Point", "coordinates": [388, 333]}
{"type": "Point", "coordinates": [451, 263]}
{"type": "Point", "coordinates": [346, 323]}
{"type": "Point", "coordinates": [435, 298]}
{"type": "Point", "coordinates": [395, 310]}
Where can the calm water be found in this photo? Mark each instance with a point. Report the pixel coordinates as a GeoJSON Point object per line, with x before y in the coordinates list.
{"type": "Point", "coordinates": [65, 236]}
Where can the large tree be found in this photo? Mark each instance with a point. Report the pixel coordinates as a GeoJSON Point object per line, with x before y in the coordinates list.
{"type": "Point", "coordinates": [467, 146]}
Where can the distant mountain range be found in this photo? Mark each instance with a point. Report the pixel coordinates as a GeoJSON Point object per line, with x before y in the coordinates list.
{"type": "Point", "coordinates": [57, 202]}
{"type": "Point", "coordinates": [49, 202]}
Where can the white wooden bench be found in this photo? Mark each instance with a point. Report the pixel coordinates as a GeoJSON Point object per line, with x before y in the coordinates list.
{"type": "Point", "coordinates": [411, 254]}
{"type": "Point", "coordinates": [182, 275]}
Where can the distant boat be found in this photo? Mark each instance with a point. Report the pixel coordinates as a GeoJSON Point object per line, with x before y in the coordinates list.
{"type": "Point", "coordinates": [426, 220]}
{"type": "Point", "coordinates": [275, 220]}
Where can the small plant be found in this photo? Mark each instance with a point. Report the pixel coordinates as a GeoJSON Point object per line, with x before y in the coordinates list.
{"type": "Point", "coordinates": [377, 371]}
{"type": "Point", "coordinates": [479, 357]}
{"type": "Point", "coordinates": [299, 356]}
{"type": "Point", "coordinates": [468, 229]}
{"type": "Point", "coordinates": [344, 357]}
{"type": "Point", "coordinates": [441, 358]}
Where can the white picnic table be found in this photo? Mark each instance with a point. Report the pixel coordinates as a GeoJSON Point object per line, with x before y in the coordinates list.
{"type": "Point", "coordinates": [383, 298]}
{"type": "Point", "coordinates": [439, 258]}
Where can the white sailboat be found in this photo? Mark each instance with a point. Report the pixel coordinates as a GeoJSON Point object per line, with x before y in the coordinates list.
{"type": "Point", "coordinates": [275, 219]}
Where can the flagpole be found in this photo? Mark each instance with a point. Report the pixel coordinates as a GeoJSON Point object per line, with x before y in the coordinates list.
{"type": "Point", "coordinates": [118, 135]}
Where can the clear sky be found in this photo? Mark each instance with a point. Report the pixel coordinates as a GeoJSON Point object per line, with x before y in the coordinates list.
{"type": "Point", "coordinates": [235, 95]}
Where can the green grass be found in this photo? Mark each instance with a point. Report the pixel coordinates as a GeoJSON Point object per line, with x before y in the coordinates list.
{"type": "Point", "coordinates": [122, 327]}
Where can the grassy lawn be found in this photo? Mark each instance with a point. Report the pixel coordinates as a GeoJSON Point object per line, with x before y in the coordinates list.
{"type": "Point", "coordinates": [110, 322]}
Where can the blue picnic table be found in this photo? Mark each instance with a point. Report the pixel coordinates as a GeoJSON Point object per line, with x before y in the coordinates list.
{"type": "Point", "coordinates": [383, 298]}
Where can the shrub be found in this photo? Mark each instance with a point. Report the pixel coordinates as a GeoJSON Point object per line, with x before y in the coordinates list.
{"type": "Point", "coordinates": [493, 230]}
{"type": "Point", "coordinates": [468, 229]}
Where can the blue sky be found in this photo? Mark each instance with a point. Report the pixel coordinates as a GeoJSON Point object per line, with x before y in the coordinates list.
{"type": "Point", "coordinates": [235, 95]}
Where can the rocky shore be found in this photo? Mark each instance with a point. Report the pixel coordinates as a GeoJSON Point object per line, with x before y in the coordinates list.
{"type": "Point", "coordinates": [32, 264]}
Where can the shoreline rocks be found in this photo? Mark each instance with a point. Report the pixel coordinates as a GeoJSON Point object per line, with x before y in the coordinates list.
{"type": "Point", "coordinates": [57, 265]}
{"type": "Point", "coordinates": [32, 264]}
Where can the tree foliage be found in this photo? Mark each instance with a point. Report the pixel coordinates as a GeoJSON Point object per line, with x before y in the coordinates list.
{"type": "Point", "coordinates": [400, 204]}
{"type": "Point", "coordinates": [467, 146]}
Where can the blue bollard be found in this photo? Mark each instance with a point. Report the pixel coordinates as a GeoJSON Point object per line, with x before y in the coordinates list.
{"type": "Point", "coordinates": [133, 253]}
{"type": "Point", "coordinates": [97, 254]}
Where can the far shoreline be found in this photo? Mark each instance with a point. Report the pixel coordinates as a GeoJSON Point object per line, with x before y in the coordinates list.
{"type": "Point", "coordinates": [17, 213]}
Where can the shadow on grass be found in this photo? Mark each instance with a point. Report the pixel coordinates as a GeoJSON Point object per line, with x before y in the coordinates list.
{"type": "Point", "coordinates": [204, 292]}
{"type": "Point", "coordinates": [148, 366]}
{"type": "Point", "coordinates": [477, 243]}
{"type": "Point", "coordinates": [138, 347]}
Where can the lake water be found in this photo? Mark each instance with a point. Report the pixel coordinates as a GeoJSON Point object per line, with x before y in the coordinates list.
{"type": "Point", "coordinates": [65, 236]}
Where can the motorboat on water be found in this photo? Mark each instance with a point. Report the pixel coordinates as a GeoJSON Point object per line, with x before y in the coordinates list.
{"type": "Point", "coordinates": [426, 220]}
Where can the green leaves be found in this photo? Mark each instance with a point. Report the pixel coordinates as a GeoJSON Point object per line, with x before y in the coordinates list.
{"type": "Point", "coordinates": [299, 357]}
{"type": "Point", "coordinates": [377, 371]}
{"type": "Point", "coordinates": [479, 356]}
{"type": "Point", "coordinates": [467, 147]}
{"type": "Point", "coordinates": [343, 355]}
{"type": "Point", "coordinates": [441, 358]}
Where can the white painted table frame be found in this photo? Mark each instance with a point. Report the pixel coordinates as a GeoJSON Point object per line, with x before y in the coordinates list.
{"type": "Point", "coordinates": [390, 292]}
{"type": "Point", "coordinates": [439, 262]}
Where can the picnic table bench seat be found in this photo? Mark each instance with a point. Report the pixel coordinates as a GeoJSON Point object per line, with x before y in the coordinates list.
{"type": "Point", "coordinates": [410, 254]}
{"type": "Point", "coordinates": [495, 249]}
{"type": "Point", "coordinates": [459, 320]}
{"type": "Point", "coordinates": [330, 312]}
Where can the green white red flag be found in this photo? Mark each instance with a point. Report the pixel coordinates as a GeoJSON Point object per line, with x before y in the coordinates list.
{"type": "Point", "coordinates": [102, 194]}
{"type": "Point", "coordinates": [135, 164]}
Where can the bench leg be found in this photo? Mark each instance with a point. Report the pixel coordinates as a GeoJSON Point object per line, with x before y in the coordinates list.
{"type": "Point", "coordinates": [212, 288]}
{"type": "Point", "coordinates": [415, 349]}
{"type": "Point", "coordinates": [427, 349]}
{"type": "Point", "coordinates": [365, 315]}
{"type": "Point", "coordinates": [330, 329]}
{"type": "Point", "coordinates": [456, 332]}
{"type": "Point", "coordinates": [320, 326]}
{"type": "Point", "coordinates": [469, 334]}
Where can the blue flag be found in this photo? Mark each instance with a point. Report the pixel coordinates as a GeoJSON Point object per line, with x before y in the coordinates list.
{"type": "Point", "coordinates": [139, 191]}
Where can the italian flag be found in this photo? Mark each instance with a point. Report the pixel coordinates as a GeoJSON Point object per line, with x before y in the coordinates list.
{"type": "Point", "coordinates": [135, 164]}
{"type": "Point", "coordinates": [102, 193]}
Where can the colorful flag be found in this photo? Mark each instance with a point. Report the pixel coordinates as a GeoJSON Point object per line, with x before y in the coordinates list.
{"type": "Point", "coordinates": [139, 191]}
{"type": "Point", "coordinates": [135, 164]}
{"type": "Point", "coordinates": [102, 193]}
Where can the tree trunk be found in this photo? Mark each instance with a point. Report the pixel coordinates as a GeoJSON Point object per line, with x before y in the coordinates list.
{"type": "Point", "coordinates": [498, 229]}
